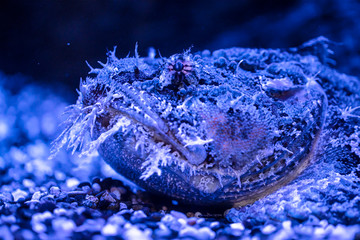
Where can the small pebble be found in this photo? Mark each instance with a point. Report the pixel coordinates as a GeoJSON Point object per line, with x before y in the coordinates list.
{"type": "Point", "coordinates": [72, 182]}
{"type": "Point", "coordinates": [36, 196]}
{"type": "Point", "coordinates": [115, 192]}
{"type": "Point", "coordinates": [55, 191]}
{"type": "Point", "coordinates": [206, 233]}
{"type": "Point", "coordinates": [60, 176]}
{"type": "Point", "coordinates": [60, 211]}
{"type": "Point", "coordinates": [63, 226]}
{"type": "Point", "coordinates": [28, 183]}
{"type": "Point", "coordinates": [268, 229]}
{"type": "Point", "coordinates": [96, 187]}
{"type": "Point", "coordinates": [122, 206]}
{"type": "Point", "coordinates": [6, 233]}
{"type": "Point", "coordinates": [198, 214]}
{"type": "Point", "coordinates": [6, 196]}
{"type": "Point", "coordinates": [177, 214]}
{"type": "Point", "coordinates": [19, 194]}
{"type": "Point", "coordinates": [135, 233]}
{"type": "Point", "coordinates": [109, 230]}
{"type": "Point", "coordinates": [162, 231]}
{"type": "Point", "coordinates": [106, 196]}
{"type": "Point", "coordinates": [215, 224]}
{"type": "Point", "coordinates": [138, 215]}
{"type": "Point", "coordinates": [8, 219]}
{"type": "Point", "coordinates": [191, 221]}
{"type": "Point", "coordinates": [238, 226]}
{"type": "Point", "coordinates": [286, 225]}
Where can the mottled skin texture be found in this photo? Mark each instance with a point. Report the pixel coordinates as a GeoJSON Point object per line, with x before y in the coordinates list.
{"type": "Point", "coordinates": [223, 128]}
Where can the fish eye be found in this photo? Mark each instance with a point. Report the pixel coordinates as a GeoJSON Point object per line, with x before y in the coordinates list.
{"type": "Point", "coordinates": [178, 66]}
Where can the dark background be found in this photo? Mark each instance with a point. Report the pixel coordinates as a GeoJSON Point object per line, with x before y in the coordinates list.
{"type": "Point", "coordinates": [50, 40]}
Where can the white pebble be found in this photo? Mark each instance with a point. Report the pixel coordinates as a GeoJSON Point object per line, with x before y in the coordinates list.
{"type": "Point", "coordinates": [203, 233]}
{"type": "Point", "coordinates": [63, 226]}
{"type": "Point", "coordinates": [17, 194]}
{"type": "Point", "coordinates": [17, 155]}
{"type": "Point", "coordinates": [319, 232]}
{"type": "Point", "coordinates": [28, 183]}
{"type": "Point", "coordinates": [214, 224]}
{"type": "Point", "coordinates": [182, 221]}
{"type": "Point", "coordinates": [167, 219]}
{"type": "Point", "coordinates": [268, 229]}
{"type": "Point", "coordinates": [39, 227]}
{"type": "Point", "coordinates": [238, 226]}
{"type": "Point", "coordinates": [4, 129]}
{"type": "Point", "coordinates": [323, 223]}
{"type": "Point", "coordinates": [178, 215]}
{"type": "Point", "coordinates": [72, 182]}
{"type": "Point", "coordinates": [206, 233]}
{"type": "Point", "coordinates": [342, 232]}
{"type": "Point", "coordinates": [60, 211]}
{"type": "Point", "coordinates": [40, 217]}
{"type": "Point", "coordinates": [55, 191]}
{"type": "Point", "coordinates": [91, 225]}
{"type": "Point", "coordinates": [117, 220]}
{"type": "Point", "coordinates": [36, 196]}
{"type": "Point", "coordinates": [135, 233]}
{"type": "Point", "coordinates": [109, 230]}
{"type": "Point", "coordinates": [188, 231]}
{"type": "Point", "coordinates": [286, 225]}
{"type": "Point", "coordinates": [162, 231]}
{"type": "Point", "coordinates": [60, 176]}
{"type": "Point", "coordinates": [138, 215]}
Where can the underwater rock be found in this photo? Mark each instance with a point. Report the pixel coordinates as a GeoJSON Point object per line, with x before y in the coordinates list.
{"type": "Point", "coordinates": [224, 128]}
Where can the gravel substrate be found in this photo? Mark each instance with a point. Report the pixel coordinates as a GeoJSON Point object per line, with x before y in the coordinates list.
{"type": "Point", "coordinates": [73, 198]}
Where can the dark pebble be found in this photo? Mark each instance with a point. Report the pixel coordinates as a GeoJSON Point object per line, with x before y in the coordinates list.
{"type": "Point", "coordinates": [107, 183]}
{"type": "Point", "coordinates": [146, 210]}
{"type": "Point", "coordinates": [83, 184]}
{"type": "Point", "coordinates": [152, 224]}
{"type": "Point", "coordinates": [357, 236]}
{"type": "Point", "coordinates": [62, 197]}
{"type": "Point", "coordinates": [100, 194]}
{"type": "Point", "coordinates": [114, 206]}
{"type": "Point", "coordinates": [46, 206]}
{"type": "Point", "coordinates": [156, 216]}
{"type": "Point", "coordinates": [96, 180]}
{"type": "Point", "coordinates": [64, 205]}
{"type": "Point", "coordinates": [24, 213]}
{"type": "Point", "coordinates": [137, 207]}
{"type": "Point", "coordinates": [103, 204]}
{"type": "Point", "coordinates": [70, 199]}
{"type": "Point", "coordinates": [79, 219]}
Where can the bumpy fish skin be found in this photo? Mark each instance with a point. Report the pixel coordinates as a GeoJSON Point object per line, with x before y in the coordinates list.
{"type": "Point", "coordinates": [223, 128]}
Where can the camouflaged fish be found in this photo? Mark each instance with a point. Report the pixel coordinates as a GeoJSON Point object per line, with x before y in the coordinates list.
{"type": "Point", "coordinates": [227, 127]}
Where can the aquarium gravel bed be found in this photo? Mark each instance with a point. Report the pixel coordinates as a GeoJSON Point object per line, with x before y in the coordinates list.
{"type": "Point", "coordinates": [70, 197]}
